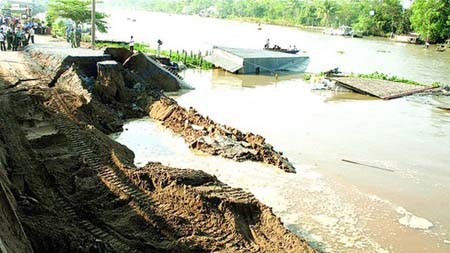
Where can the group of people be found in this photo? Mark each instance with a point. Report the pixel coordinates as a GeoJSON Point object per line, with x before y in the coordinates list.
{"type": "Point", "coordinates": [73, 36]}
{"type": "Point", "coordinates": [14, 35]}
{"type": "Point", "coordinates": [277, 47]}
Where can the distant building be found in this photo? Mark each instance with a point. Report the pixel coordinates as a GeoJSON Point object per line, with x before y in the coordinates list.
{"type": "Point", "coordinates": [23, 7]}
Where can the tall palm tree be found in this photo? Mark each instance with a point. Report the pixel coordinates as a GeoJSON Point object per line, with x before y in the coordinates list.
{"type": "Point", "coordinates": [325, 10]}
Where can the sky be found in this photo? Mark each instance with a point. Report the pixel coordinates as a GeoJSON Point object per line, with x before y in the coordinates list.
{"type": "Point", "coordinates": [407, 3]}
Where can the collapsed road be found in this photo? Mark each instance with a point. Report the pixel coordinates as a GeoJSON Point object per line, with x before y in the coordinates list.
{"type": "Point", "coordinates": [65, 186]}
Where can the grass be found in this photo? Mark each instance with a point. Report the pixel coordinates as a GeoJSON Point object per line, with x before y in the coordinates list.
{"type": "Point", "coordinates": [190, 59]}
{"type": "Point", "coordinates": [382, 76]}
{"type": "Point", "coordinates": [374, 75]}
{"type": "Point", "coordinates": [313, 78]}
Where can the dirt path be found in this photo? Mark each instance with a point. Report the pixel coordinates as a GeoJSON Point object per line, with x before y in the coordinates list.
{"type": "Point", "coordinates": [13, 67]}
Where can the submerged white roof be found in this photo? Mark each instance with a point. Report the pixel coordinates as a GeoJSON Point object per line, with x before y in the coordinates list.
{"type": "Point", "coordinates": [224, 63]}
{"type": "Point", "coordinates": [246, 60]}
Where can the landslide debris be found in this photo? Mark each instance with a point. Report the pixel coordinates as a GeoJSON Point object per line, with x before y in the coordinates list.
{"type": "Point", "coordinates": [202, 133]}
{"type": "Point", "coordinates": [65, 186]}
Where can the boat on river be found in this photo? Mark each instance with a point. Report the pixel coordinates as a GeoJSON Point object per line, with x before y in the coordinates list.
{"type": "Point", "coordinates": [283, 50]}
{"type": "Point", "coordinates": [341, 31]}
{"type": "Point", "coordinates": [345, 31]}
{"type": "Point", "coordinates": [412, 38]}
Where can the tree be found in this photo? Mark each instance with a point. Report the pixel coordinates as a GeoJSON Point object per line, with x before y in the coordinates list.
{"type": "Point", "coordinates": [430, 18]}
{"type": "Point", "coordinates": [76, 10]}
{"type": "Point", "coordinates": [326, 9]}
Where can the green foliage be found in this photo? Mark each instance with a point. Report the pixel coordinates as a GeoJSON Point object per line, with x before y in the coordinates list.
{"type": "Point", "coordinates": [39, 6]}
{"type": "Point", "coordinates": [388, 18]}
{"type": "Point", "coordinates": [307, 77]}
{"type": "Point", "coordinates": [431, 19]}
{"type": "Point", "coordinates": [382, 76]}
{"type": "Point", "coordinates": [6, 5]}
{"type": "Point", "coordinates": [76, 10]}
{"type": "Point", "coordinates": [190, 59]}
{"type": "Point", "coordinates": [438, 84]}
{"type": "Point", "coordinates": [59, 28]}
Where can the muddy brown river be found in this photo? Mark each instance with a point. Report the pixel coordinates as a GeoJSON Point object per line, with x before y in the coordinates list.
{"type": "Point", "coordinates": [337, 206]}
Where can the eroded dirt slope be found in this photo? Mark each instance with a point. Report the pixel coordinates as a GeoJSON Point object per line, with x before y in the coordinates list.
{"type": "Point", "coordinates": [70, 188]}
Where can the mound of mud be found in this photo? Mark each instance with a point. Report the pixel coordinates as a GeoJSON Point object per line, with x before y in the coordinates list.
{"type": "Point", "coordinates": [201, 133]}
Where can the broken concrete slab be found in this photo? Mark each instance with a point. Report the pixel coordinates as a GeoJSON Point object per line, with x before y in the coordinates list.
{"type": "Point", "coordinates": [72, 81]}
{"type": "Point", "coordinates": [110, 85]}
{"type": "Point", "coordinates": [383, 89]}
{"type": "Point", "coordinates": [118, 54]}
{"type": "Point", "coordinates": [152, 73]}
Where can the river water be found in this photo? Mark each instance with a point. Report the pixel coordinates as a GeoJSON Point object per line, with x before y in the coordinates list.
{"type": "Point", "coordinates": [337, 206]}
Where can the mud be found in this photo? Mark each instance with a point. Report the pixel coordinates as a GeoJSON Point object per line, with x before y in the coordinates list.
{"type": "Point", "coordinates": [67, 187]}
{"type": "Point", "coordinates": [203, 134]}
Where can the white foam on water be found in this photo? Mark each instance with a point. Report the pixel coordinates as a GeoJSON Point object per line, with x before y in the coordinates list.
{"type": "Point", "coordinates": [412, 221]}
{"type": "Point", "coordinates": [375, 198]}
{"type": "Point", "coordinates": [381, 250]}
{"type": "Point", "coordinates": [325, 220]}
{"type": "Point", "coordinates": [447, 241]}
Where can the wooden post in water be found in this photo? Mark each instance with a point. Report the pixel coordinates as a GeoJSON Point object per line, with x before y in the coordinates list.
{"type": "Point", "coordinates": [170, 54]}
{"type": "Point", "coordinates": [185, 56]}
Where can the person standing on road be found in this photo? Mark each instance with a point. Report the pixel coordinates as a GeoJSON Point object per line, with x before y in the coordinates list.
{"type": "Point", "coordinates": [73, 41]}
{"type": "Point", "coordinates": [2, 41]}
{"type": "Point", "coordinates": [16, 40]}
{"type": "Point", "coordinates": [32, 34]}
{"type": "Point", "coordinates": [78, 36]}
{"type": "Point", "coordinates": [68, 29]}
{"type": "Point", "coordinates": [159, 46]}
{"type": "Point", "coordinates": [9, 38]}
{"type": "Point", "coordinates": [131, 43]}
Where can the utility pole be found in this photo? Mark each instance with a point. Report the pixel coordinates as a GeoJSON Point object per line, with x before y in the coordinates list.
{"type": "Point", "coordinates": [93, 24]}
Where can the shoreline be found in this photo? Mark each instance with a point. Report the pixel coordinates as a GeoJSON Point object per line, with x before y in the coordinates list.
{"type": "Point", "coordinates": [255, 21]}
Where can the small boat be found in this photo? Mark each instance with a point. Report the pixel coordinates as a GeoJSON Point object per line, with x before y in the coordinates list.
{"type": "Point", "coordinates": [412, 38]}
{"type": "Point", "coordinates": [341, 31]}
{"type": "Point", "coordinates": [283, 50]}
{"type": "Point", "coordinates": [440, 47]}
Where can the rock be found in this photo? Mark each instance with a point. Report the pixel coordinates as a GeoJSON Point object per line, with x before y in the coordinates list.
{"type": "Point", "coordinates": [161, 110]}
{"type": "Point", "coordinates": [118, 54]}
{"type": "Point", "coordinates": [110, 85]}
{"type": "Point", "coordinates": [152, 73]}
